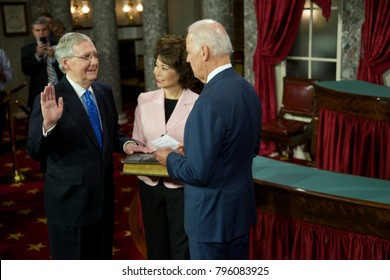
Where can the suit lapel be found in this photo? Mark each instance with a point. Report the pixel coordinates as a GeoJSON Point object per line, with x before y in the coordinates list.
{"type": "Point", "coordinates": [181, 110]}
{"type": "Point", "coordinates": [157, 112]}
{"type": "Point", "coordinates": [75, 109]}
{"type": "Point", "coordinates": [102, 107]}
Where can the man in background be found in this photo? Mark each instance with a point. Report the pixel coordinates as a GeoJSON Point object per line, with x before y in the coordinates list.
{"type": "Point", "coordinates": [50, 24]}
{"type": "Point", "coordinates": [221, 137]}
{"type": "Point", "coordinates": [58, 29]}
{"type": "Point", "coordinates": [38, 61]}
{"type": "Point", "coordinates": [6, 76]}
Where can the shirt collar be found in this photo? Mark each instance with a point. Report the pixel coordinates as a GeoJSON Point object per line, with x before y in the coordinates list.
{"type": "Point", "coordinates": [217, 70]}
{"type": "Point", "coordinates": [79, 90]}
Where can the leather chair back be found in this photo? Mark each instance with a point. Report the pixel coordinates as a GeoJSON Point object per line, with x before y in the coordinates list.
{"type": "Point", "coordinates": [298, 96]}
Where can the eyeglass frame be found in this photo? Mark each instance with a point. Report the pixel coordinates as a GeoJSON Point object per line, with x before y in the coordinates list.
{"type": "Point", "coordinates": [87, 57]}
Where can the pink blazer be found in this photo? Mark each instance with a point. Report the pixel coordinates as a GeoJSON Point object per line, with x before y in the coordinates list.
{"type": "Point", "coordinates": [149, 123]}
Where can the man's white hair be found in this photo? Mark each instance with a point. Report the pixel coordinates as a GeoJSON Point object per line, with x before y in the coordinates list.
{"type": "Point", "coordinates": [66, 43]}
{"type": "Point", "coordinates": [212, 34]}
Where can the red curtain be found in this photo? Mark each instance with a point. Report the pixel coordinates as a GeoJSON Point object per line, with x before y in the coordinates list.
{"type": "Point", "coordinates": [279, 238]}
{"type": "Point", "coordinates": [375, 38]}
{"type": "Point", "coordinates": [325, 5]}
{"type": "Point", "coordinates": [353, 145]}
{"type": "Point", "coordinates": [278, 24]}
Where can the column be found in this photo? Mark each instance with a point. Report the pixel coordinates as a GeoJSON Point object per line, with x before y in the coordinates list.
{"type": "Point", "coordinates": [250, 42]}
{"type": "Point", "coordinates": [221, 11]}
{"type": "Point", "coordinates": [106, 41]}
{"type": "Point", "coordinates": [155, 24]}
{"type": "Point", "coordinates": [36, 7]}
{"type": "Point", "coordinates": [60, 10]}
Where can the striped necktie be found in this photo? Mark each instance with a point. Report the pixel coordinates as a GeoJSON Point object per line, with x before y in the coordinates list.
{"type": "Point", "coordinates": [51, 72]}
{"type": "Point", "coordinates": [94, 117]}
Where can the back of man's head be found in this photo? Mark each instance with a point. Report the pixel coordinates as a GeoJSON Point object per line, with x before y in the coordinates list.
{"type": "Point", "coordinates": [212, 34]}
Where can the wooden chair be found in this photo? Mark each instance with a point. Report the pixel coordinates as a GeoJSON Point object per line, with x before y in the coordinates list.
{"type": "Point", "coordinates": [297, 102]}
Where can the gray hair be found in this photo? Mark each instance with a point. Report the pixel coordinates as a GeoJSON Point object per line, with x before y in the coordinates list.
{"type": "Point", "coordinates": [212, 34]}
{"type": "Point", "coordinates": [66, 43]}
{"type": "Point", "coordinates": [40, 21]}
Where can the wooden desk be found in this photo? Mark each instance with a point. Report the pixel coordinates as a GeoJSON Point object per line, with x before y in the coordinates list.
{"type": "Point", "coordinates": [307, 213]}
{"type": "Point", "coordinates": [351, 128]}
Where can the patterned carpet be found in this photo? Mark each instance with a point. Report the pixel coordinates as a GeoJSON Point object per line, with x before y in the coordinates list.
{"type": "Point", "coordinates": [23, 228]}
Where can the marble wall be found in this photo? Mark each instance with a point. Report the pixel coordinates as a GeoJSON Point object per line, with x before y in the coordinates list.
{"type": "Point", "coordinates": [155, 24]}
{"type": "Point", "coordinates": [250, 39]}
{"type": "Point", "coordinates": [352, 19]}
{"type": "Point", "coordinates": [158, 23]}
{"type": "Point", "coordinates": [221, 11]}
{"type": "Point", "coordinates": [37, 7]}
{"type": "Point", "coordinates": [106, 42]}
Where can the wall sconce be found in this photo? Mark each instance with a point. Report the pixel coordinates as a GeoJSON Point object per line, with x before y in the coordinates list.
{"type": "Point", "coordinates": [80, 7]}
{"type": "Point", "coordinates": [128, 13]}
{"type": "Point", "coordinates": [129, 10]}
{"type": "Point", "coordinates": [85, 9]}
{"type": "Point", "coordinates": [80, 12]}
{"type": "Point", "coordinates": [139, 7]}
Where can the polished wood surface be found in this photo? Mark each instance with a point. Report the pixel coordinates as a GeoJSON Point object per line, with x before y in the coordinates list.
{"type": "Point", "coordinates": [355, 98]}
{"type": "Point", "coordinates": [342, 213]}
{"type": "Point", "coordinates": [341, 201]}
{"type": "Point", "coordinates": [350, 102]}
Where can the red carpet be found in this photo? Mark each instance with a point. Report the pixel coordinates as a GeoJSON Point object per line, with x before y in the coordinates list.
{"type": "Point", "coordinates": [23, 228]}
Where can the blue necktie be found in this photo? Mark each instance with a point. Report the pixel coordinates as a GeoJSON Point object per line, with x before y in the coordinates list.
{"type": "Point", "coordinates": [94, 117]}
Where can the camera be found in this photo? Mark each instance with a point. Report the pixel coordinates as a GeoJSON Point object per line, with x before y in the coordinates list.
{"type": "Point", "coordinates": [43, 40]}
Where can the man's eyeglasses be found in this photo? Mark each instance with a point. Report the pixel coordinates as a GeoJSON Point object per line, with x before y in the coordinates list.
{"type": "Point", "coordinates": [88, 57]}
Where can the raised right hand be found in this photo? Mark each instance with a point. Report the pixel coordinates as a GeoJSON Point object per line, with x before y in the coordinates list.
{"type": "Point", "coordinates": [51, 109]}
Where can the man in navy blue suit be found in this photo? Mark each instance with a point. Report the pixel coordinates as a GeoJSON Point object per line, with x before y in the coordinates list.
{"type": "Point", "coordinates": [221, 137]}
{"type": "Point", "coordinates": [79, 183]}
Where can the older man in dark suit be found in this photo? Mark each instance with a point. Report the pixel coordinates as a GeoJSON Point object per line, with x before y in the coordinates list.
{"type": "Point", "coordinates": [74, 127]}
{"type": "Point", "coordinates": [38, 61]}
{"type": "Point", "coordinates": [221, 137]}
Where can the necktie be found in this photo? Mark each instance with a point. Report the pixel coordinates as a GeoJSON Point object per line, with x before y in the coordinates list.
{"type": "Point", "coordinates": [51, 72]}
{"type": "Point", "coordinates": [94, 117]}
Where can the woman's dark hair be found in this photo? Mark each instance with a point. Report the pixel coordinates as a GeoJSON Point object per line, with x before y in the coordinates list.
{"type": "Point", "coordinates": [171, 50]}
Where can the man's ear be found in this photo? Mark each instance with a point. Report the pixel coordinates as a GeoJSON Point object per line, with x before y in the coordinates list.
{"type": "Point", "coordinates": [205, 52]}
{"type": "Point", "coordinates": [65, 62]}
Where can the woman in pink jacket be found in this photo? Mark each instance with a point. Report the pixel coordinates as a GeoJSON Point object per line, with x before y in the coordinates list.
{"type": "Point", "coordinates": [164, 112]}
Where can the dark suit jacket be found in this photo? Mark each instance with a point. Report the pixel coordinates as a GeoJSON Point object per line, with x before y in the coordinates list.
{"type": "Point", "coordinates": [221, 137]}
{"type": "Point", "coordinates": [37, 71]}
{"type": "Point", "coordinates": [79, 187]}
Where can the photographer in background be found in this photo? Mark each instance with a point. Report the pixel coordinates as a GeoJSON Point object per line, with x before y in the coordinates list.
{"type": "Point", "coordinates": [38, 61]}
{"type": "Point", "coordinates": [50, 24]}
